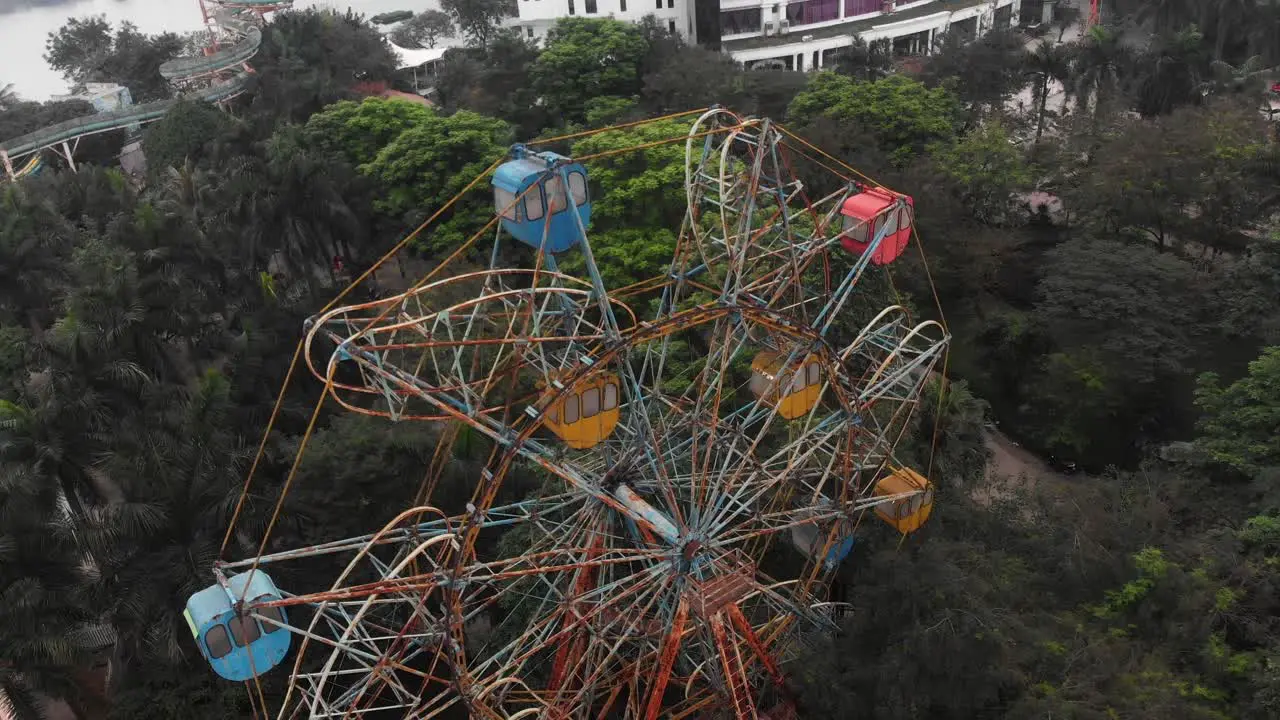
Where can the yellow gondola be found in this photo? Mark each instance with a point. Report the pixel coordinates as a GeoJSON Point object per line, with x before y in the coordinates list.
{"type": "Point", "coordinates": [587, 414]}
{"type": "Point", "coordinates": [908, 514]}
{"type": "Point", "coordinates": [794, 390]}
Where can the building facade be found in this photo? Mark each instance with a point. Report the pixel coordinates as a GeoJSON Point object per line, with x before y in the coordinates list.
{"type": "Point", "coordinates": [538, 16]}
{"type": "Point", "coordinates": [788, 34]}
{"type": "Point", "coordinates": [811, 34]}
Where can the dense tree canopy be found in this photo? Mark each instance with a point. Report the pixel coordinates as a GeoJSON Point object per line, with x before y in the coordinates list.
{"type": "Point", "coordinates": [1106, 254]}
{"type": "Point", "coordinates": [587, 58]}
{"type": "Point", "coordinates": [902, 115]}
{"type": "Point", "coordinates": [86, 50]}
{"type": "Point", "coordinates": [424, 29]}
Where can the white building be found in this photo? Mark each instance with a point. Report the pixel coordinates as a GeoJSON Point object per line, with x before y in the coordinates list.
{"type": "Point", "coordinates": [789, 34]}
{"type": "Point", "coordinates": [537, 16]}
{"type": "Point", "coordinates": [810, 34]}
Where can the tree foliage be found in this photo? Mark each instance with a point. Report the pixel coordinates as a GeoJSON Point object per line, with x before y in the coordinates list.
{"type": "Point", "coordinates": [86, 50]}
{"type": "Point", "coordinates": [587, 58]}
{"type": "Point", "coordinates": [146, 328]}
{"type": "Point", "coordinates": [431, 162]}
{"type": "Point", "coordinates": [1238, 429]}
{"type": "Point", "coordinates": [311, 58]}
{"type": "Point", "coordinates": [479, 20]}
{"type": "Point", "coordinates": [904, 116]}
{"type": "Point", "coordinates": [424, 29]}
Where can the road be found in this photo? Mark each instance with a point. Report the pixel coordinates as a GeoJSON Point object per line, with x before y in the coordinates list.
{"type": "Point", "coordinates": [1012, 468]}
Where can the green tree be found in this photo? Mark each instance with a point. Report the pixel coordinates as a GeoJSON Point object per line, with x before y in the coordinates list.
{"type": "Point", "coordinates": [357, 131]}
{"type": "Point", "coordinates": [1047, 64]}
{"type": "Point", "coordinates": [985, 169]}
{"type": "Point", "coordinates": [187, 132]}
{"type": "Point", "coordinates": [85, 50]}
{"type": "Point", "coordinates": [1168, 74]}
{"type": "Point", "coordinates": [643, 189]}
{"type": "Point", "coordinates": [982, 73]}
{"type": "Point", "coordinates": [1195, 176]}
{"type": "Point", "coordinates": [494, 80]}
{"type": "Point", "coordinates": [79, 48]}
{"type": "Point", "coordinates": [1239, 427]}
{"type": "Point", "coordinates": [866, 61]}
{"type": "Point", "coordinates": [1248, 295]}
{"type": "Point", "coordinates": [903, 115]}
{"type": "Point", "coordinates": [479, 20]}
{"type": "Point", "coordinates": [1102, 71]}
{"type": "Point", "coordinates": [693, 77]}
{"type": "Point", "coordinates": [34, 241]}
{"type": "Point", "coordinates": [430, 163]}
{"type": "Point", "coordinates": [588, 58]}
{"type": "Point", "coordinates": [1126, 322]}
{"type": "Point", "coordinates": [424, 29]}
{"type": "Point", "coordinates": [311, 58]}
{"type": "Point", "coordinates": [948, 435]}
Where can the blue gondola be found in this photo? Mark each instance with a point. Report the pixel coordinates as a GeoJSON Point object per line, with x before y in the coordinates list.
{"type": "Point", "coordinates": [809, 541]}
{"type": "Point", "coordinates": [540, 218]}
{"type": "Point", "coordinates": [239, 645]}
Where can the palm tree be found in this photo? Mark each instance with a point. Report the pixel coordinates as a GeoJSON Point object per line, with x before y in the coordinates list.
{"type": "Point", "coordinates": [184, 466]}
{"type": "Point", "coordinates": [1064, 16]}
{"type": "Point", "coordinates": [307, 216]}
{"type": "Point", "coordinates": [1100, 71]}
{"type": "Point", "coordinates": [1047, 64]}
{"type": "Point", "coordinates": [34, 239]}
{"type": "Point", "coordinates": [1248, 77]}
{"type": "Point", "coordinates": [54, 433]}
{"type": "Point", "coordinates": [1169, 74]}
{"type": "Point", "coordinates": [40, 595]}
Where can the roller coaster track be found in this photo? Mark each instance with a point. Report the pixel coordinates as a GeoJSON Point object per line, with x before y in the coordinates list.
{"type": "Point", "coordinates": [230, 17]}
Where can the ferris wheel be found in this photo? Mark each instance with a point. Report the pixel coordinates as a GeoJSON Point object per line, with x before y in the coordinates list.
{"type": "Point", "coordinates": [704, 447]}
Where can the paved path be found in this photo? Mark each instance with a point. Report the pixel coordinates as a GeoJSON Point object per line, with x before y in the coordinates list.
{"type": "Point", "coordinates": [1012, 467]}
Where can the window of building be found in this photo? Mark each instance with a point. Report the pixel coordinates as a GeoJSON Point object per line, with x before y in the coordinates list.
{"type": "Point", "coordinates": [528, 29]}
{"type": "Point", "coordinates": [570, 7]}
{"type": "Point", "coordinates": [854, 8]}
{"type": "Point", "coordinates": [671, 26]}
{"type": "Point", "coordinates": [622, 5]}
{"type": "Point", "coordinates": [671, 4]}
{"type": "Point", "coordinates": [217, 641]}
{"type": "Point", "coordinates": [658, 4]}
{"type": "Point", "coordinates": [244, 630]}
{"type": "Point", "coordinates": [589, 6]}
{"type": "Point", "coordinates": [736, 22]}
{"type": "Point", "coordinates": [813, 11]}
